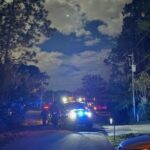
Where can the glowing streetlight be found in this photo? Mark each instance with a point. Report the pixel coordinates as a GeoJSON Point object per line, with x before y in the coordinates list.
{"type": "Point", "coordinates": [64, 99]}
{"type": "Point", "coordinates": [80, 99]}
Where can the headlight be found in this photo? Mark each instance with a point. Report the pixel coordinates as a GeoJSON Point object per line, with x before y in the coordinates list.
{"type": "Point", "coordinates": [89, 114]}
{"type": "Point", "coordinates": [64, 100]}
{"type": "Point", "coordinates": [72, 115]}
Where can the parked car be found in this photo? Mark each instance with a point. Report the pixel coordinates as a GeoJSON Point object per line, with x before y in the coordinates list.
{"type": "Point", "coordinates": [136, 143]}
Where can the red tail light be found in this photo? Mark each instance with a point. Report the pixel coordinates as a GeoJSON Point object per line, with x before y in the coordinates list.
{"type": "Point", "coordinates": [100, 107]}
{"type": "Point", "coordinates": [46, 107]}
{"type": "Point", "coordinates": [95, 108]}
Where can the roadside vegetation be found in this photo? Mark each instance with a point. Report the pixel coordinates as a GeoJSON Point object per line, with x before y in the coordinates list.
{"type": "Point", "coordinates": [132, 43]}
{"type": "Point", "coordinates": [22, 26]}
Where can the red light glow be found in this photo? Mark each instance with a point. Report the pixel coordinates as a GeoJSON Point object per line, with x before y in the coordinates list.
{"type": "Point", "coordinates": [95, 108]}
{"type": "Point", "coordinates": [46, 107]}
{"type": "Point", "coordinates": [100, 107]}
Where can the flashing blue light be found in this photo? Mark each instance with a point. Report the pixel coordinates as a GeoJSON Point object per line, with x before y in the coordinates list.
{"type": "Point", "coordinates": [86, 112]}
{"type": "Point", "coordinates": [81, 113]}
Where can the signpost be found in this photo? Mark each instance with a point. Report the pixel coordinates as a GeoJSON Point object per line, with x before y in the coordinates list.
{"type": "Point", "coordinates": [112, 122]}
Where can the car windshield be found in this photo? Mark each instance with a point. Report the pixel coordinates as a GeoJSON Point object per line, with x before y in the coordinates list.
{"type": "Point", "coordinates": [88, 56]}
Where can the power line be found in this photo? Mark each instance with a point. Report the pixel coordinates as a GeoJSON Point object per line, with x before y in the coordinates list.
{"type": "Point", "coordinates": [138, 45]}
{"type": "Point", "coordinates": [146, 69]}
{"type": "Point", "coordinates": [143, 59]}
{"type": "Point", "coordinates": [141, 39]}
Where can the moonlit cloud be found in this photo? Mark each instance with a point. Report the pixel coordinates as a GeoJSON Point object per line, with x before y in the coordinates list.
{"type": "Point", "coordinates": [66, 17]}
{"type": "Point", "coordinates": [48, 61]}
{"type": "Point", "coordinates": [107, 11]}
{"type": "Point", "coordinates": [92, 42]}
{"type": "Point", "coordinates": [70, 16]}
{"type": "Point", "coordinates": [67, 71]}
{"type": "Point", "coordinates": [8, 1]}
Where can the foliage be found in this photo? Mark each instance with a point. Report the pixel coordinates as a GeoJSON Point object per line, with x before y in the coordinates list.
{"type": "Point", "coordinates": [134, 39]}
{"type": "Point", "coordinates": [94, 86]}
{"type": "Point", "coordinates": [48, 96]}
{"type": "Point", "coordinates": [22, 82]}
{"type": "Point", "coordinates": [22, 24]}
{"type": "Point", "coordinates": [115, 94]}
{"type": "Point", "coordinates": [142, 85]}
{"type": "Point", "coordinates": [143, 111]}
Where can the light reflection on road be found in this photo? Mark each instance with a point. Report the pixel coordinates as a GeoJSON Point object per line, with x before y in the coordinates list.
{"type": "Point", "coordinates": [61, 140]}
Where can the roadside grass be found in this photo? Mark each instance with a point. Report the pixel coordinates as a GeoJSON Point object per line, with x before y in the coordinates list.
{"type": "Point", "coordinates": [119, 138]}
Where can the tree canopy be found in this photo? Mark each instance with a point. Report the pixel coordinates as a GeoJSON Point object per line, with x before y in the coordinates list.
{"type": "Point", "coordinates": [21, 81]}
{"type": "Point", "coordinates": [94, 86]}
{"type": "Point", "coordinates": [133, 40]}
{"type": "Point", "coordinates": [22, 24]}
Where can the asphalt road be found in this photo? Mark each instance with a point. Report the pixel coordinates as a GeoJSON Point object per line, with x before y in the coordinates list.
{"type": "Point", "coordinates": [39, 138]}
{"type": "Point", "coordinates": [61, 140]}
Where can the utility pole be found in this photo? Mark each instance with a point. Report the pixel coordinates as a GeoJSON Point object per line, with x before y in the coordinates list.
{"type": "Point", "coordinates": [133, 68]}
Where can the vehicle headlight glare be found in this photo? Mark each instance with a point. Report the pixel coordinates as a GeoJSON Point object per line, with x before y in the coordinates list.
{"type": "Point", "coordinates": [81, 113]}
{"type": "Point", "coordinates": [72, 115]}
{"type": "Point", "coordinates": [64, 99]}
{"type": "Point", "coordinates": [89, 114]}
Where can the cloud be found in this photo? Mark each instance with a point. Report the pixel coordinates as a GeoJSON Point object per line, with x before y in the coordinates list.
{"type": "Point", "coordinates": [8, 1]}
{"type": "Point", "coordinates": [91, 62]}
{"type": "Point", "coordinates": [67, 71]}
{"type": "Point", "coordinates": [71, 16]}
{"type": "Point", "coordinates": [107, 11]}
{"type": "Point", "coordinates": [48, 61]}
{"type": "Point", "coordinates": [66, 17]}
{"type": "Point", "coordinates": [92, 42]}
{"type": "Point", "coordinates": [112, 27]}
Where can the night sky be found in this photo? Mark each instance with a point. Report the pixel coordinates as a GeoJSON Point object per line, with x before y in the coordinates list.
{"type": "Point", "coordinates": [86, 33]}
{"type": "Point", "coordinates": [70, 44]}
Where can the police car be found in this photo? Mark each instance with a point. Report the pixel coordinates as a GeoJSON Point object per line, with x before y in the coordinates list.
{"type": "Point", "coordinates": [76, 113]}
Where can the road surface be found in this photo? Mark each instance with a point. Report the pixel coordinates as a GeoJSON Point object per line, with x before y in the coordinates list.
{"type": "Point", "coordinates": [61, 140]}
{"type": "Point", "coordinates": [49, 138]}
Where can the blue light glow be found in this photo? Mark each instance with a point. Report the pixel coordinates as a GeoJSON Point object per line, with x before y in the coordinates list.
{"type": "Point", "coordinates": [81, 113]}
